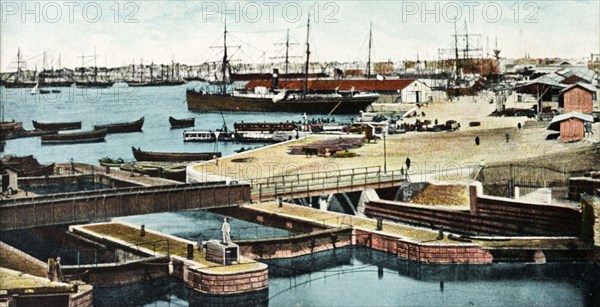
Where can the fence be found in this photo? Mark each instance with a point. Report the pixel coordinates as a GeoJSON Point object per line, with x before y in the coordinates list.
{"type": "Point", "coordinates": [303, 184]}
{"type": "Point", "coordinates": [500, 180]}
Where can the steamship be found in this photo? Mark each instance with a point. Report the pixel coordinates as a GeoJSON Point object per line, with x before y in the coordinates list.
{"type": "Point", "coordinates": [263, 99]}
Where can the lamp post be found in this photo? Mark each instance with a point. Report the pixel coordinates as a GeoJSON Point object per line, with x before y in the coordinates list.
{"type": "Point", "coordinates": [384, 132]}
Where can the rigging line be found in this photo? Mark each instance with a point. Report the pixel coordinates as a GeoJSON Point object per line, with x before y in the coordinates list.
{"type": "Point", "coordinates": [268, 31]}
{"type": "Point", "coordinates": [247, 43]}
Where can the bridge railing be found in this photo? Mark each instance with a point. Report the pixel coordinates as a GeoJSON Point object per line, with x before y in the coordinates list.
{"type": "Point", "coordinates": [102, 193]}
{"type": "Point", "coordinates": [299, 177]}
{"type": "Point", "coordinates": [305, 184]}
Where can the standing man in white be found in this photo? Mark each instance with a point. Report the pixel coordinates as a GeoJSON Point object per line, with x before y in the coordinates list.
{"type": "Point", "coordinates": [226, 231]}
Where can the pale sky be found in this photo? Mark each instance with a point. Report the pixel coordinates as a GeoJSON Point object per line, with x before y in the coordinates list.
{"type": "Point", "coordinates": [127, 31]}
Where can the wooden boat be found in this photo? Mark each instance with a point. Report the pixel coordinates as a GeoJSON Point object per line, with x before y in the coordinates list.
{"type": "Point", "coordinates": [181, 123]}
{"type": "Point", "coordinates": [122, 127]}
{"type": "Point", "coordinates": [56, 126]}
{"type": "Point", "coordinates": [106, 161]}
{"type": "Point", "coordinates": [173, 156]}
{"type": "Point", "coordinates": [74, 137]}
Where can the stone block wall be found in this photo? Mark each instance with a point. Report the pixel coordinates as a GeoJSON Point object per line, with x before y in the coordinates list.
{"type": "Point", "coordinates": [422, 252]}
{"type": "Point", "coordinates": [227, 284]}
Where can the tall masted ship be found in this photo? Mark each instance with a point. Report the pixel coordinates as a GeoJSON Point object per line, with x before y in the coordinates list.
{"type": "Point", "coordinates": [264, 99]}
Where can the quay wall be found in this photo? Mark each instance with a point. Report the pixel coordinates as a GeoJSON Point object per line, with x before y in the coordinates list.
{"type": "Point", "coordinates": [423, 252]}
{"type": "Point", "coordinates": [234, 279]}
{"type": "Point", "coordinates": [228, 283]}
{"type": "Point", "coordinates": [304, 244]}
{"type": "Point", "coordinates": [488, 215]}
{"type": "Point", "coordinates": [118, 274]}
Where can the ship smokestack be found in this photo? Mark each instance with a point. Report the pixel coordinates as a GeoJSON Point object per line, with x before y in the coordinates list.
{"type": "Point", "coordinates": [275, 82]}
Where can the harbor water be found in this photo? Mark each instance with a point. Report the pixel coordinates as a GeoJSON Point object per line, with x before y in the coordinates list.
{"type": "Point", "coordinates": [122, 104]}
{"type": "Point", "coordinates": [343, 277]}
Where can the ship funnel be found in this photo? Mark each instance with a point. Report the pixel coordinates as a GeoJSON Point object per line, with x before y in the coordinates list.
{"type": "Point", "coordinates": [275, 82]}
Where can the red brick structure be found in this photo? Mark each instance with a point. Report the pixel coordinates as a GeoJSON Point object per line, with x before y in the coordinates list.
{"type": "Point", "coordinates": [578, 97]}
{"type": "Point", "coordinates": [227, 283]}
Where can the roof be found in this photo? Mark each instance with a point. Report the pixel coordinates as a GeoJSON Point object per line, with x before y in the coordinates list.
{"type": "Point", "coordinates": [554, 124]}
{"type": "Point", "coordinates": [342, 85]}
{"type": "Point", "coordinates": [584, 86]}
{"type": "Point", "coordinates": [586, 74]}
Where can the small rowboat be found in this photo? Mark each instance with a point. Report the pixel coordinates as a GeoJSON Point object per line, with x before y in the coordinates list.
{"type": "Point", "coordinates": [55, 126]}
{"type": "Point", "coordinates": [92, 136]}
{"type": "Point", "coordinates": [173, 156]}
{"type": "Point", "coordinates": [181, 123]}
{"type": "Point", "coordinates": [133, 126]}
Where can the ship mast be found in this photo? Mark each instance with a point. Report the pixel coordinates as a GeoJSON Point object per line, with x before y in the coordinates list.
{"type": "Point", "coordinates": [95, 66]}
{"type": "Point", "coordinates": [456, 51]}
{"type": "Point", "coordinates": [224, 65]}
{"type": "Point", "coordinates": [287, 49]}
{"type": "Point", "coordinates": [370, 43]}
{"type": "Point", "coordinates": [305, 86]}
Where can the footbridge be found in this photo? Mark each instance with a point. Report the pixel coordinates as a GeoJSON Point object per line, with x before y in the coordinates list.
{"type": "Point", "coordinates": [78, 207]}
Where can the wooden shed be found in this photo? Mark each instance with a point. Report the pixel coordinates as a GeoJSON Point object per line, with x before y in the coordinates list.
{"type": "Point", "coordinates": [571, 126]}
{"type": "Point", "coordinates": [578, 97]}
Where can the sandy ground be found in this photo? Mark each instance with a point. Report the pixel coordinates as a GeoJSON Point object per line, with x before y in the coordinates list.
{"type": "Point", "coordinates": [430, 153]}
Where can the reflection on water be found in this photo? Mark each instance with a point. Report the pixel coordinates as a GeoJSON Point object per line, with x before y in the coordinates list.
{"type": "Point", "coordinates": [170, 292]}
{"type": "Point", "coordinates": [363, 277]}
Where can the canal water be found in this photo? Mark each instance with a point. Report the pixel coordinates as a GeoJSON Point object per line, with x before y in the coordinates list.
{"type": "Point", "coordinates": [122, 104]}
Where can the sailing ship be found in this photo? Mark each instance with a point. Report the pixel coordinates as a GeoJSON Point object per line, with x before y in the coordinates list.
{"type": "Point", "coordinates": [92, 136]}
{"type": "Point", "coordinates": [84, 81]}
{"type": "Point", "coordinates": [51, 78]}
{"type": "Point", "coordinates": [18, 77]}
{"type": "Point", "coordinates": [56, 126]}
{"type": "Point", "coordinates": [173, 156]}
{"type": "Point", "coordinates": [133, 126]}
{"type": "Point", "coordinates": [169, 80]}
{"type": "Point", "coordinates": [275, 99]}
{"type": "Point", "coordinates": [181, 123]}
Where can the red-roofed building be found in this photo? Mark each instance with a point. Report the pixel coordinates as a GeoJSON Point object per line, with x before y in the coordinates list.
{"type": "Point", "coordinates": [403, 90]}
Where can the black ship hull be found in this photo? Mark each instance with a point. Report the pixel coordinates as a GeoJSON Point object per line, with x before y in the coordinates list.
{"type": "Point", "coordinates": [198, 101]}
{"type": "Point", "coordinates": [155, 83]}
{"type": "Point", "coordinates": [173, 156]}
{"type": "Point", "coordinates": [94, 84]}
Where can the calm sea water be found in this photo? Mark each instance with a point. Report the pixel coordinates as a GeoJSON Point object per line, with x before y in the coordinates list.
{"type": "Point", "coordinates": [121, 104]}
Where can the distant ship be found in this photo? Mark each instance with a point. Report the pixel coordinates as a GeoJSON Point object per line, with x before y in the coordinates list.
{"type": "Point", "coordinates": [169, 80]}
{"type": "Point", "coordinates": [95, 82]}
{"type": "Point", "coordinates": [18, 78]}
{"type": "Point", "coordinates": [276, 100]}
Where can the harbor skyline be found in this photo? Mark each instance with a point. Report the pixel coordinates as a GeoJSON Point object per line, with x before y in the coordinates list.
{"type": "Point", "coordinates": [125, 33]}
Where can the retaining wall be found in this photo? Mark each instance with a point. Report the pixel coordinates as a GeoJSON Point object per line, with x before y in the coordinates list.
{"type": "Point", "coordinates": [423, 252]}
{"type": "Point", "coordinates": [288, 247]}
